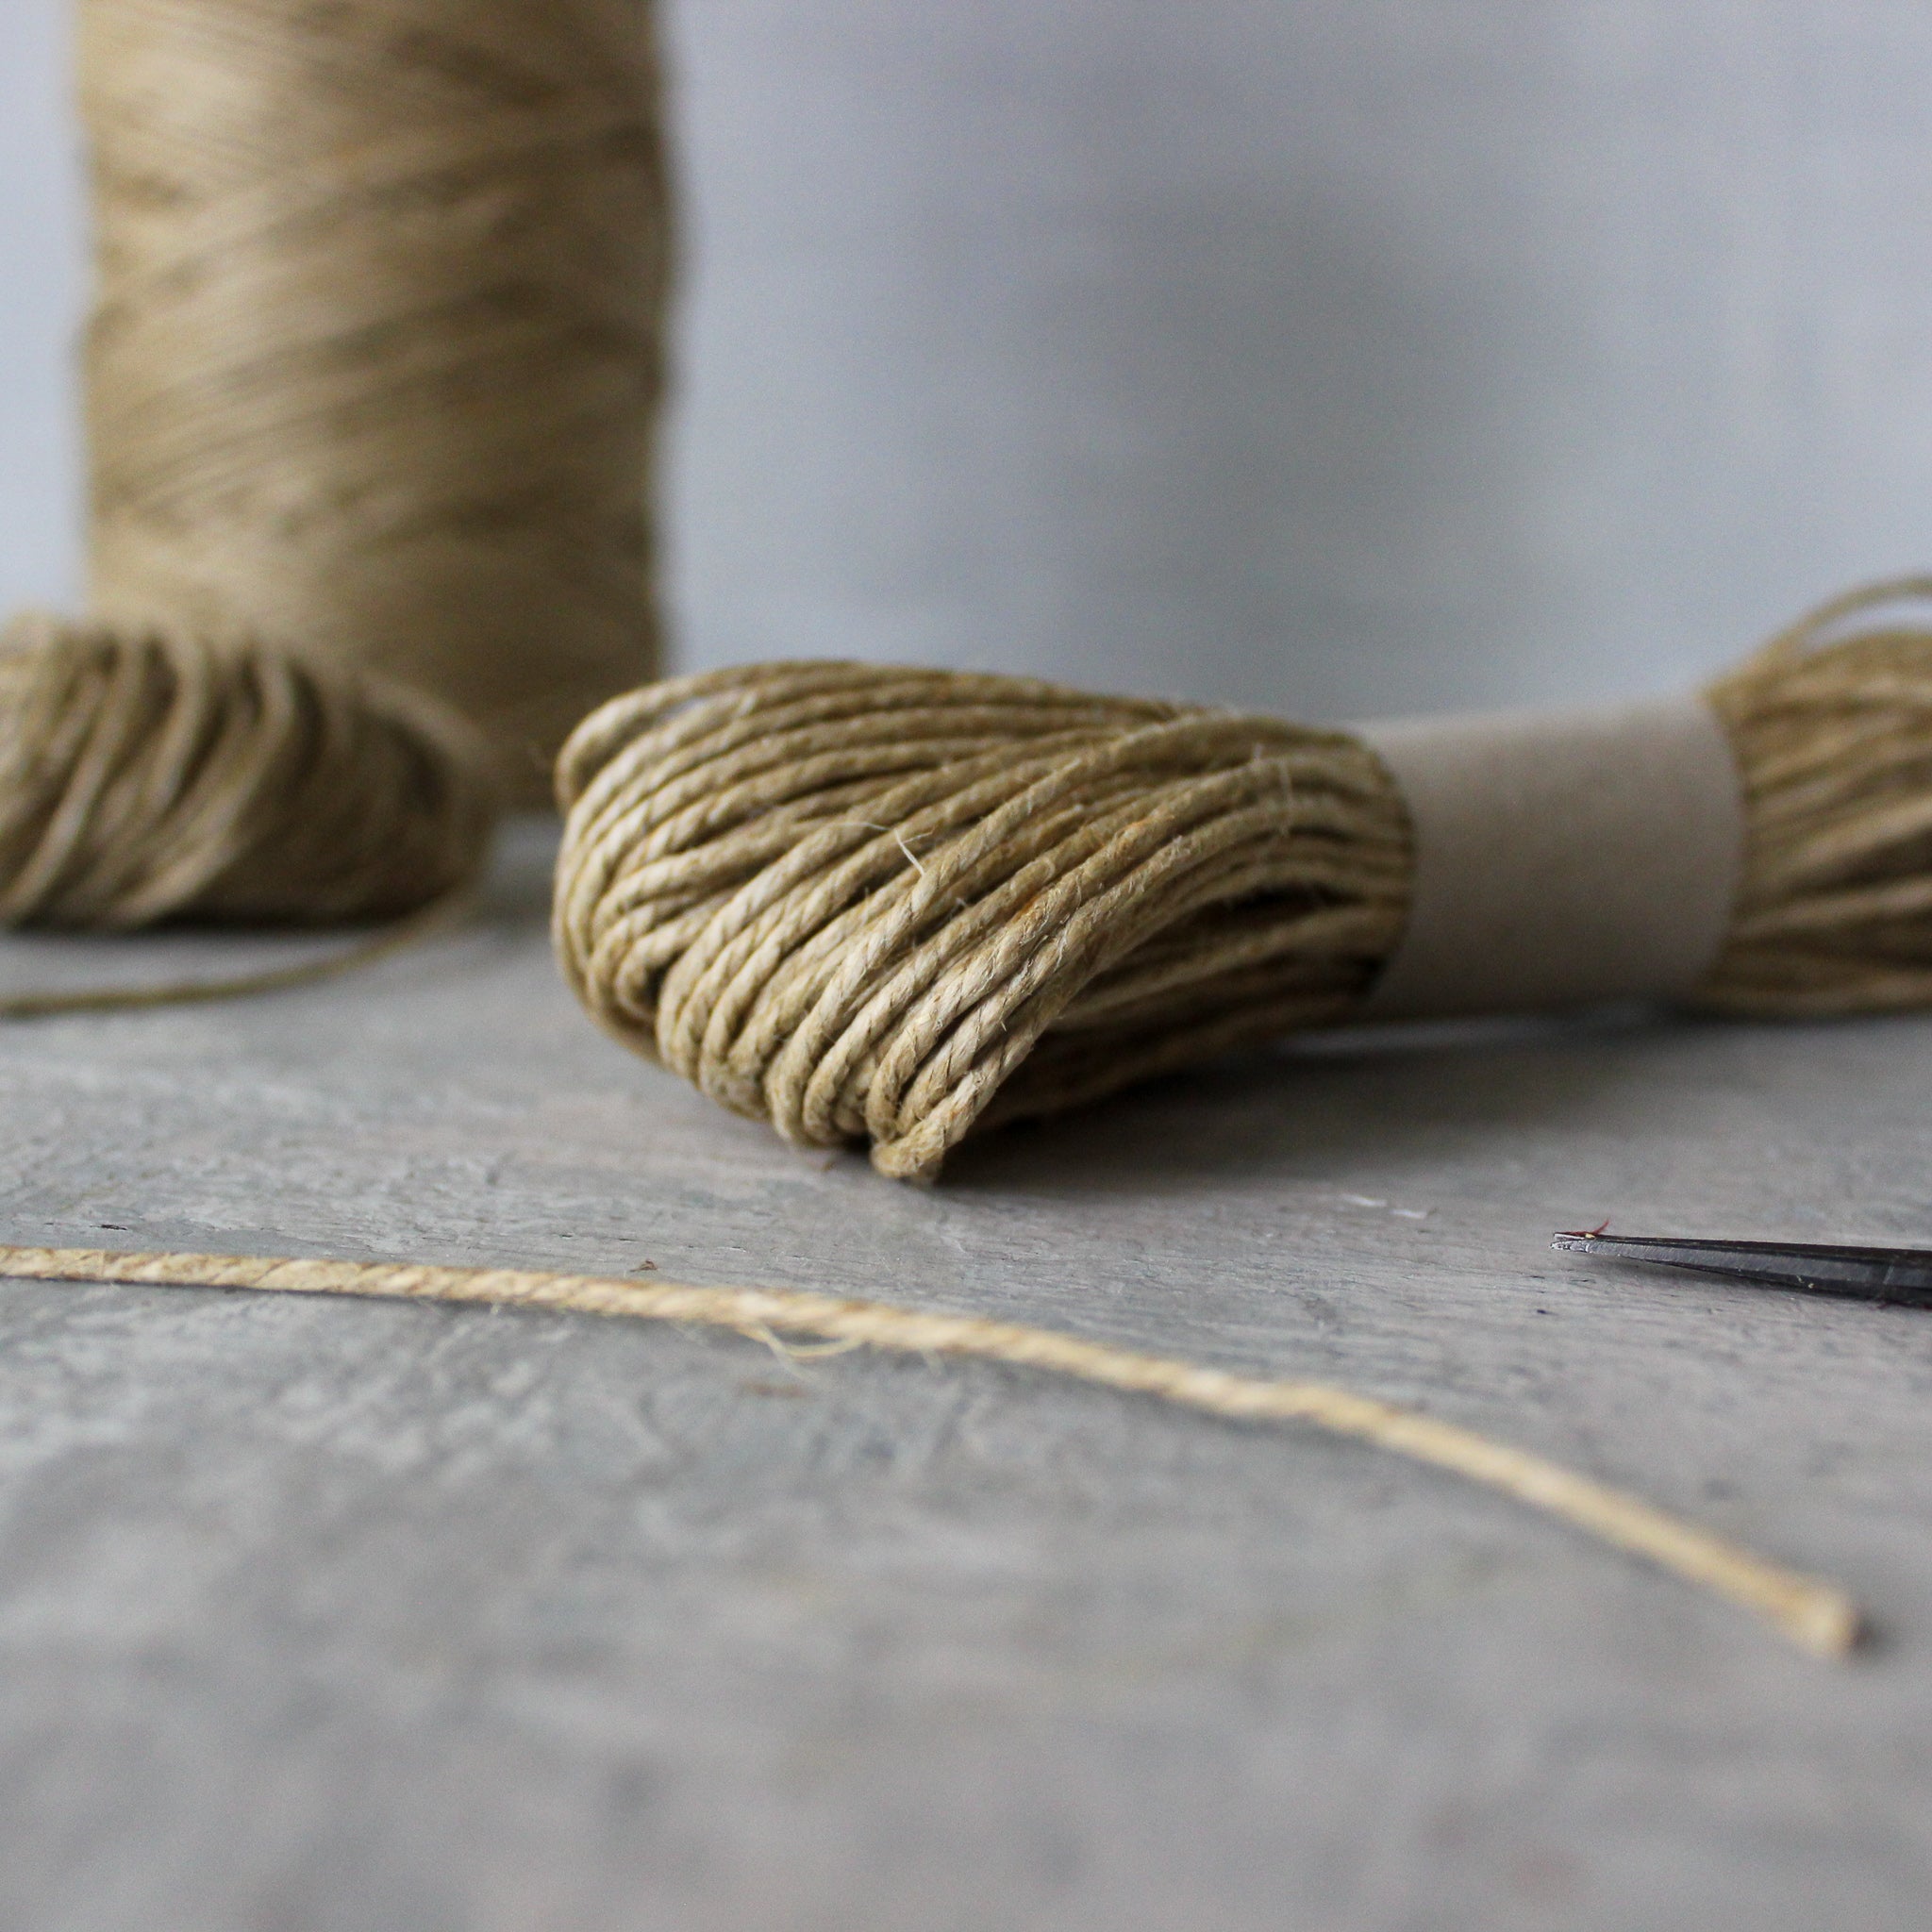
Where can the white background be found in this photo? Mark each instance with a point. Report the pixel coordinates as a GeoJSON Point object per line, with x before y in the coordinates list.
{"type": "Point", "coordinates": [1328, 357]}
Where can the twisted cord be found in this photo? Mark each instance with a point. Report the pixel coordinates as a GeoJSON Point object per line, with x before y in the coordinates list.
{"type": "Point", "coordinates": [891, 904]}
{"type": "Point", "coordinates": [1831, 726]}
{"type": "Point", "coordinates": [396, 937]}
{"type": "Point", "coordinates": [376, 347]}
{"type": "Point", "coordinates": [1813, 1614]}
{"type": "Point", "coordinates": [895, 906]}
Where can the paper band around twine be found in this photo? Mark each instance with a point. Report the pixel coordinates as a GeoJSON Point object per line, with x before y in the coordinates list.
{"type": "Point", "coordinates": [1561, 857]}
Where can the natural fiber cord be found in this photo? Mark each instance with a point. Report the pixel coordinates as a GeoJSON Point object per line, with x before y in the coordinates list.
{"type": "Point", "coordinates": [371, 386]}
{"type": "Point", "coordinates": [1832, 728]}
{"type": "Point", "coordinates": [144, 779]}
{"type": "Point", "coordinates": [377, 348]}
{"type": "Point", "coordinates": [371, 380]}
{"type": "Point", "coordinates": [894, 905]}
{"type": "Point", "coordinates": [1811, 1613]}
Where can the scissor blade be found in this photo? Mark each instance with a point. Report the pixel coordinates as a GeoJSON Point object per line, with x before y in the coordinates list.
{"type": "Point", "coordinates": [1902, 1276]}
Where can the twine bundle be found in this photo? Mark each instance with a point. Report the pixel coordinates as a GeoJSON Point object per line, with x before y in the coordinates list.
{"type": "Point", "coordinates": [894, 905]}
{"type": "Point", "coordinates": [144, 779]}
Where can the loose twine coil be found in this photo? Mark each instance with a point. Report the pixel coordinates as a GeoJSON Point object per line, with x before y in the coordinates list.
{"type": "Point", "coordinates": [144, 779]}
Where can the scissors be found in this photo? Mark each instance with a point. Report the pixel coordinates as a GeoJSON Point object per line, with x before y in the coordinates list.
{"type": "Point", "coordinates": [1900, 1276]}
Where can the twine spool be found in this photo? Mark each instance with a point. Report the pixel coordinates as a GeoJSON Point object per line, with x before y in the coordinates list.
{"type": "Point", "coordinates": [378, 341]}
{"type": "Point", "coordinates": [895, 906]}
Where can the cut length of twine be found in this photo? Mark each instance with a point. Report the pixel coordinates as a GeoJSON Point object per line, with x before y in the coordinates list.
{"type": "Point", "coordinates": [1812, 1612]}
{"type": "Point", "coordinates": [397, 936]}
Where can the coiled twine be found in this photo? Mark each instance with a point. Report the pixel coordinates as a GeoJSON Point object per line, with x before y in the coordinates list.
{"type": "Point", "coordinates": [377, 342]}
{"type": "Point", "coordinates": [371, 382]}
{"type": "Point", "coordinates": [149, 778]}
{"type": "Point", "coordinates": [893, 906]}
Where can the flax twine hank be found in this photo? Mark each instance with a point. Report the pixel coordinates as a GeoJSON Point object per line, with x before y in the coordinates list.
{"type": "Point", "coordinates": [1813, 1614]}
{"type": "Point", "coordinates": [897, 906]}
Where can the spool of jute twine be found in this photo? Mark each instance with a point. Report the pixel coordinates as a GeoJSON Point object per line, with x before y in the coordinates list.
{"type": "Point", "coordinates": [893, 906]}
{"type": "Point", "coordinates": [376, 347]}
{"type": "Point", "coordinates": [369, 383]}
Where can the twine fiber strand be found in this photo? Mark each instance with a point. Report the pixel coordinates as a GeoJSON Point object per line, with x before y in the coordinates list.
{"type": "Point", "coordinates": [398, 937]}
{"type": "Point", "coordinates": [376, 349]}
{"type": "Point", "coordinates": [1811, 1612]}
{"type": "Point", "coordinates": [895, 906]}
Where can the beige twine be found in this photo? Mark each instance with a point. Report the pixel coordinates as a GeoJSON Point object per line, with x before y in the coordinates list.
{"type": "Point", "coordinates": [369, 385]}
{"type": "Point", "coordinates": [377, 344]}
{"type": "Point", "coordinates": [1832, 727]}
{"type": "Point", "coordinates": [864, 903]}
{"type": "Point", "coordinates": [145, 779]}
{"type": "Point", "coordinates": [1813, 1614]}
{"type": "Point", "coordinates": [896, 905]}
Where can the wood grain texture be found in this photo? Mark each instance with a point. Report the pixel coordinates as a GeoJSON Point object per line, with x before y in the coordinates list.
{"type": "Point", "coordinates": [344, 1616]}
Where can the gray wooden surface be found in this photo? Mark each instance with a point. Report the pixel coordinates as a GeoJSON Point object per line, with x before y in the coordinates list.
{"type": "Point", "coordinates": [374, 1619]}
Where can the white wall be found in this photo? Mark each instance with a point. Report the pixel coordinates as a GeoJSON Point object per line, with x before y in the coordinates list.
{"type": "Point", "coordinates": [1327, 357]}
{"type": "Point", "coordinates": [41, 285]}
